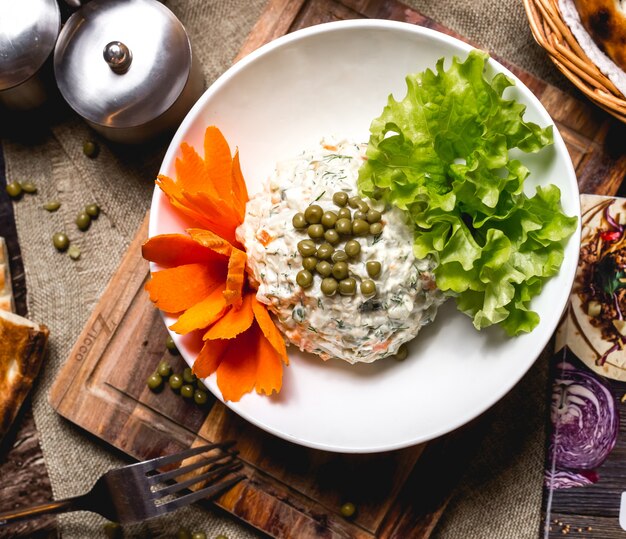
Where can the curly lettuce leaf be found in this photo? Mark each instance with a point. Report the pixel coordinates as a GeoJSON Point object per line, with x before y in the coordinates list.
{"type": "Point", "coordinates": [443, 155]}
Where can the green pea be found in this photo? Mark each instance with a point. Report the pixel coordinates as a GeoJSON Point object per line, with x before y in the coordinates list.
{"type": "Point", "coordinates": [183, 533]}
{"type": "Point", "coordinates": [360, 227]}
{"type": "Point", "coordinates": [373, 268]}
{"type": "Point", "coordinates": [348, 510]}
{"type": "Point", "coordinates": [315, 231]}
{"type": "Point", "coordinates": [188, 376]}
{"type": "Point", "coordinates": [304, 278]}
{"type": "Point", "coordinates": [340, 270]}
{"type": "Point", "coordinates": [353, 248]}
{"type": "Point", "coordinates": [83, 221]}
{"type": "Point", "coordinates": [198, 535]}
{"type": "Point", "coordinates": [60, 241]}
{"type": "Point", "coordinates": [332, 236]}
{"type": "Point", "coordinates": [329, 219]}
{"type": "Point", "coordinates": [347, 287]}
{"type": "Point", "coordinates": [309, 263]}
{"type": "Point", "coordinates": [74, 252]}
{"type": "Point", "coordinates": [29, 187]}
{"type": "Point", "coordinates": [299, 221]}
{"type": "Point", "coordinates": [306, 248]}
{"type": "Point", "coordinates": [187, 391]}
{"type": "Point", "coordinates": [325, 251]}
{"type": "Point", "coordinates": [164, 369]}
{"type": "Point", "coordinates": [51, 206]}
{"type": "Point", "coordinates": [324, 268]}
{"type": "Point", "coordinates": [329, 286]}
{"type": "Point", "coordinates": [344, 213]}
{"type": "Point", "coordinates": [402, 353]}
{"type": "Point", "coordinates": [200, 397]}
{"type": "Point", "coordinates": [343, 226]}
{"type": "Point", "coordinates": [112, 530]}
{"type": "Point", "coordinates": [93, 210]}
{"type": "Point", "coordinates": [155, 381]}
{"type": "Point", "coordinates": [376, 228]}
{"type": "Point", "coordinates": [339, 256]}
{"type": "Point", "coordinates": [340, 198]}
{"type": "Point", "coordinates": [176, 381]}
{"type": "Point", "coordinates": [313, 214]}
{"type": "Point", "coordinates": [373, 216]}
{"type": "Point", "coordinates": [14, 189]}
{"type": "Point", "coordinates": [368, 288]}
{"type": "Point", "coordinates": [353, 202]}
{"type": "Point", "coordinates": [90, 148]}
{"type": "Point", "coordinates": [362, 205]}
{"type": "Point", "coordinates": [171, 345]}
{"type": "Point", "coordinates": [359, 215]}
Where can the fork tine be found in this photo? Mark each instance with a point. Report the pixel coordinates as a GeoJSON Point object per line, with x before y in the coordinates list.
{"type": "Point", "coordinates": [164, 476]}
{"type": "Point", "coordinates": [215, 473]}
{"type": "Point", "coordinates": [208, 493]}
{"type": "Point", "coordinates": [159, 462]}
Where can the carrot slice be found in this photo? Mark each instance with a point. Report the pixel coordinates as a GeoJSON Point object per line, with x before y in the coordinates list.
{"type": "Point", "coordinates": [234, 322]}
{"type": "Point", "coordinates": [176, 289]}
{"type": "Point", "coordinates": [191, 173]}
{"type": "Point", "coordinates": [240, 191]}
{"type": "Point", "coordinates": [269, 369]}
{"type": "Point", "coordinates": [211, 240]}
{"type": "Point", "coordinates": [218, 162]}
{"type": "Point", "coordinates": [177, 200]}
{"type": "Point", "coordinates": [178, 249]}
{"type": "Point", "coordinates": [203, 313]}
{"type": "Point", "coordinates": [235, 277]}
{"type": "Point", "coordinates": [269, 329]}
{"type": "Point", "coordinates": [209, 358]}
{"type": "Point", "coordinates": [236, 374]}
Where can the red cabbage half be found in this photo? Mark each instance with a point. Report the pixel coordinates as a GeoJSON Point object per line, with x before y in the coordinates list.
{"type": "Point", "coordinates": [566, 479]}
{"type": "Point", "coordinates": [584, 417]}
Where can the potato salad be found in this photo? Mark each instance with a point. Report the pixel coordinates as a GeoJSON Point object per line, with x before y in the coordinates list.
{"type": "Point", "coordinates": [337, 270]}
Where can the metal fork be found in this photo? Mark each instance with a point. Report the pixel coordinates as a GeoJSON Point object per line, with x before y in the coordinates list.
{"type": "Point", "coordinates": [130, 494]}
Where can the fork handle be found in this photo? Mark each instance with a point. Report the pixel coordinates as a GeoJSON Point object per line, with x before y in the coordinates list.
{"type": "Point", "coordinates": [49, 508]}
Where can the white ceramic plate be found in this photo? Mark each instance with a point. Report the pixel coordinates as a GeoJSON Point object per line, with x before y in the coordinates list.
{"type": "Point", "coordinates": [334, 79]}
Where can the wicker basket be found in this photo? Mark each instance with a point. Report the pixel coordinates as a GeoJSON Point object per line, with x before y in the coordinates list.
{"type": "Point", "coordinates": [552, 33]}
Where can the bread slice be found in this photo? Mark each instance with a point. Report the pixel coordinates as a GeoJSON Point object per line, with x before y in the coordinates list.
{"type": "Point", "coordinates": [23, 346]}
{"type": "Point", "coordinates": [6, 295]}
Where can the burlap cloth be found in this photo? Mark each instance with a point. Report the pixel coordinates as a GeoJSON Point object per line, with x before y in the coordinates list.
{"type": "Point", "coordinates": [499, 497]}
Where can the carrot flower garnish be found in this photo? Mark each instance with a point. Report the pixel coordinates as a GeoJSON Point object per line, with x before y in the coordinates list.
{"type": "Point", "coordinates": [204, 281]}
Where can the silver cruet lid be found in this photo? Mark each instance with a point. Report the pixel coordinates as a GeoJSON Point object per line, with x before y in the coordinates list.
{"type": "Point", "coordinates": [28, 32]}
{"type": "Point", "coordinates": [122, 63]}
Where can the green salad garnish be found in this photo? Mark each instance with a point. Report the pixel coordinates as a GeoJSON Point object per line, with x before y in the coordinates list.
{"type": "Point", "coordinates": [443, 154]}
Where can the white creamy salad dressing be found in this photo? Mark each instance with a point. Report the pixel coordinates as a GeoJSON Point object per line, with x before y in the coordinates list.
{"type": "Point", "coordinates": [353, 328]}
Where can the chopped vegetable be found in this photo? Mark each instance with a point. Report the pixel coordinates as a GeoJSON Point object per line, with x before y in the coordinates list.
{"type": "Point", "coordinates": [442, 154]}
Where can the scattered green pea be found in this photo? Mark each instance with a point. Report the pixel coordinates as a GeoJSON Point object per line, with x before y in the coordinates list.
{"type": "Point", "coordinates": [360, 227]}
{"type": "Point", "coordinates": [171, 345]}
{"type": "Point", "coordinates": [309, 263]}
{"type": "Point", "coordinates": [315, 231]}
{"type": "Point", "coordinates": [93, 210]}
{"type": "Point", "coordinates": [331, 236]}
{"type": "Point", "coordinates": [83, 221]}
{"type": "Point", "coordinates": [164, 369]}
{"type": "Point", "coordinates": [339, 256]}
{"type": "Point", "coordinates": [352, 248]}
{"type": "Point", "coordinates": [183, 533]}
{"type": "Point", "coordinates": [329, 286]}
{"type": "Point", "coordinates": [200, 397]}
{"type": "Point", "coordinates": [299, 221]}
{"type": "Point", "coordinates": [52, 205]}
{"type": "Point", "coordinates": [188, 376]}
{"type": "Point", "coordinates": [90, 148]}
{"type": "Point", "coordinates": [304, 278]}
{"type": "Point", "coordinates": [343, 226]}
{"type": "Point", "coordinates": [373, 268]}
{"type": "Point", "coordinates": [187, 391]}
{"type": "Point", "coordinates": [221, 536]}
{"type": "Point", "coordinates": [307, 248]}
{"type": "Point", "coordinates": [324, 268]}
{"type": "Point", "coordinates": [198, 535]}
{"type": "Point", "coordinates": [402, 353]}
{"type": "Point", "coordinates": [14, 189]}
{"type": "Point", "coordinates": [344, 213]}
{"type": "Point", "coordinates": [74, 252]}
{"type": "Point", "coordinates": [373, 216]}
{"type": "Point", "coordinates": [340, 270]}
{"type": "Point", "coordinates": [347, 287]}
{"type": "Point", "coordinates": [60, 241]}
{"type": "Point", "coordinates": [112, 530]}
{"type": "Point", "coordinates": [176, 381]}
{"type": "Point", "coordinates": [348, 510]}
{"type": "Point", "coordinates": [329, 219]}
{"type": "Point", "coordinates": [155, 381]}
{"type": "Point", "coordinates": [29, 187]}
{"type": "Point", "coordinates": [368, 288]}
{"type": "Point", "coordinates": [340, 198]}
{"type": "Point", "coordinates": [313, 214]}
{"type": "Point", "coordinates": [325, 251]}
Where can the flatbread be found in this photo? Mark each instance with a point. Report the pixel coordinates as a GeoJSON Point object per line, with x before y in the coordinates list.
{"type": "Point", "coordinates": [23, 347]}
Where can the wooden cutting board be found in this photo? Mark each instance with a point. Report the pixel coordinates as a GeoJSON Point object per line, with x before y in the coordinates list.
{"type": "Point", "coordinates": [398, 494]}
